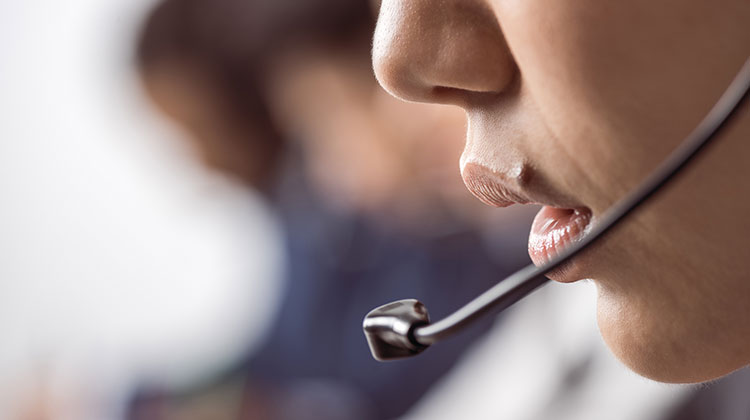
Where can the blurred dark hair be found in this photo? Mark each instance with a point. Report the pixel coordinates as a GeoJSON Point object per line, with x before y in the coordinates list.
{"type": "Point", "coordinates": [249, 31]}
{"type": "Point", "coordinates": [232, 41]}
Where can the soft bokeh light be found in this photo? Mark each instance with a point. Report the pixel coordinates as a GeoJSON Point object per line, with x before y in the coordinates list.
{"type": "Point", "coordinates": [104, 220]}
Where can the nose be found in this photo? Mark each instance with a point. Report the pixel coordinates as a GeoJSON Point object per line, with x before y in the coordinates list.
{"type": "Point", "coordinates": [441, 51]}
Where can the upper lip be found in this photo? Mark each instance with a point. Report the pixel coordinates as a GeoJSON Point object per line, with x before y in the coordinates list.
{"type": "Point", "coordinates": [520, 185]}
{"type": "Point", "coordinates": [494, 188]}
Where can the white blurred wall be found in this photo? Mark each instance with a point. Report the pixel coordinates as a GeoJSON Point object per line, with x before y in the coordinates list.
{"type": "Point", "coordinates": [117, 255]}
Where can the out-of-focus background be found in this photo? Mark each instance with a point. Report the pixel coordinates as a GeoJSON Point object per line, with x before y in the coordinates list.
{"type": "Point", "coordinates": [119, 257]}
{"type": "Point", "coordinates": [202, 198]}
{"type": "Point", "coordinates": [131, 275]}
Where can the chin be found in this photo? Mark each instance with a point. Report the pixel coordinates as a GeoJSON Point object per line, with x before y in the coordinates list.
{"type": "Point", "coordinates": [654, 347]}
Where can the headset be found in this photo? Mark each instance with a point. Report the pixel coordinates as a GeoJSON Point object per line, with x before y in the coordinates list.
{"type": "Point", "coordinates": [402, 329]}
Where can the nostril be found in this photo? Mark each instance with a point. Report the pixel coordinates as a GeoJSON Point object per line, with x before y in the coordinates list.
{"type": "Point", "coordinates": [462, 97]}
{"type": "Point", "coordinates": [449, 95]}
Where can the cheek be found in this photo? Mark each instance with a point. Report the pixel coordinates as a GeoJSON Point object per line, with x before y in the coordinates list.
{"type": "Point", "coordinates": [603, 88]}
{"type": "Point", "coordinates": [557, 47]}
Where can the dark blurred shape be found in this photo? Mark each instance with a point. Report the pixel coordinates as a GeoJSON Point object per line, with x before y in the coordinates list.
{"type": "Point", "coordinates": [727, 398]}
{"type": "Point", "coordinates": [221, 49]}
{"type": "Point", "coordinates": [280, 95]}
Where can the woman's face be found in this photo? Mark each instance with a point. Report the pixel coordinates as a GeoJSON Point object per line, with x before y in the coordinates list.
{"type": "Point", "coordinates": [570, 105]}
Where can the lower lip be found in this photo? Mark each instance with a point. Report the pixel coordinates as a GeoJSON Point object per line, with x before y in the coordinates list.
{"type": "Point", "coordinates": [553, 230]}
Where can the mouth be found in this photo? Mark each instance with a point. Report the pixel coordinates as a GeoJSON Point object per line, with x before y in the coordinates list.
{"type": "Point", "coordinates": [553, 230]}
{"type": "Point", "coordinates": [560, 223]}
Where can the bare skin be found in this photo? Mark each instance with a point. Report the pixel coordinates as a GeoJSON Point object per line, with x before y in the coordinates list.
{"type": "Point", "coordinates": [570, 105]}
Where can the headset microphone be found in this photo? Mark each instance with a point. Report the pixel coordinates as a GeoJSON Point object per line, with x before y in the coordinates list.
{"type": "Point", "coordinates": [403, 329]}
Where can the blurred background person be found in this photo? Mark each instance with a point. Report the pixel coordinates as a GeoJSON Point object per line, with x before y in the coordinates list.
{"type": "Point", "coordinates": [280, 96]}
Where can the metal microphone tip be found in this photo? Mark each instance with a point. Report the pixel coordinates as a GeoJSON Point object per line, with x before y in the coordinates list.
{"type": "Point", "coordinates": [389, 329]}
